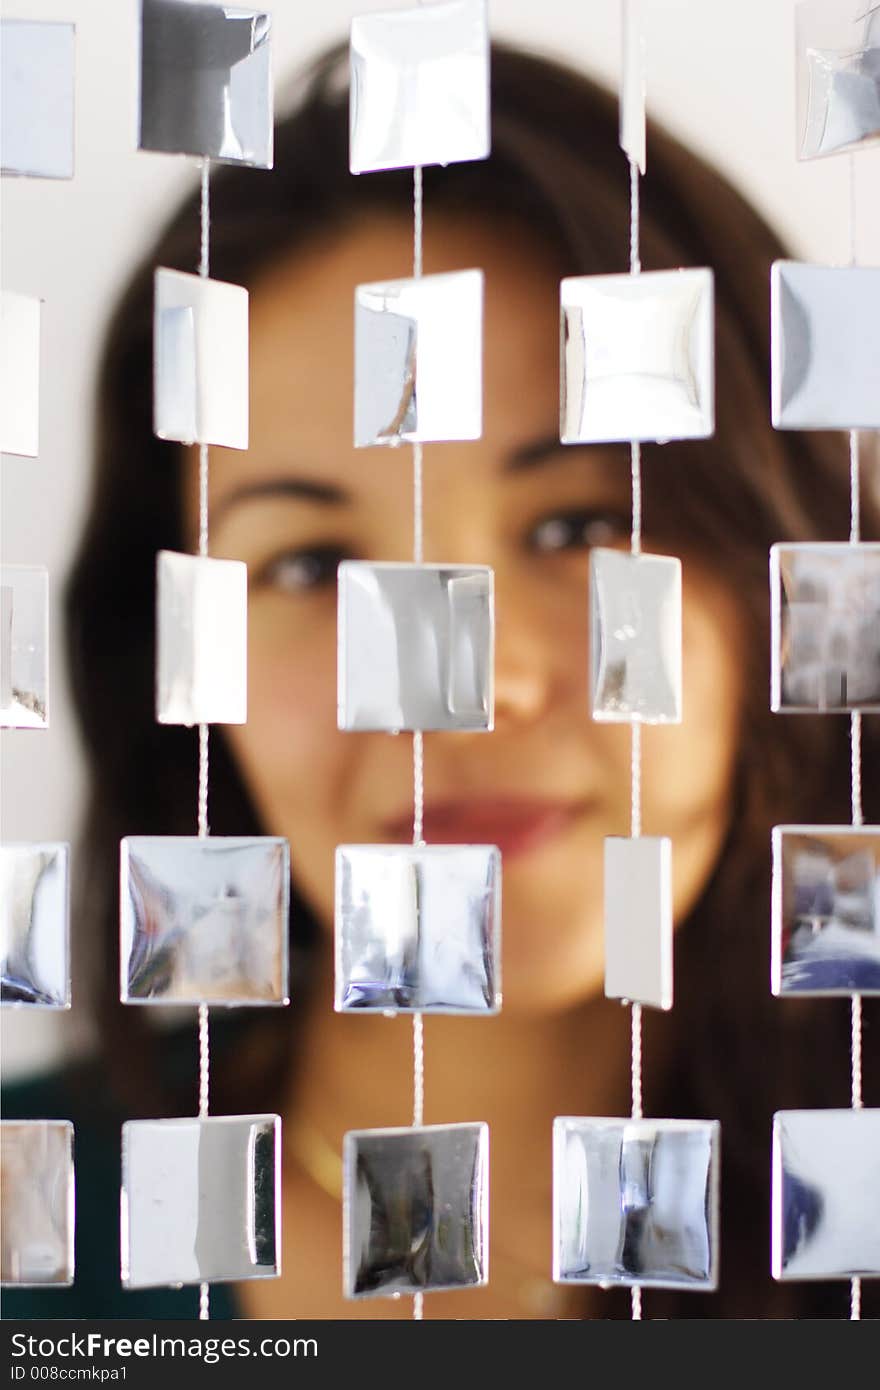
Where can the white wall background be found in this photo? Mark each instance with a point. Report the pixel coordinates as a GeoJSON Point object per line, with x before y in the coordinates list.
{"type": "Point", "coordinates": [720, 76]}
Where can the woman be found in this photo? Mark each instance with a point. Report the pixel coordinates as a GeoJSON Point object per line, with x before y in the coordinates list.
{"type": "Point", "coordinates": [548, 785]}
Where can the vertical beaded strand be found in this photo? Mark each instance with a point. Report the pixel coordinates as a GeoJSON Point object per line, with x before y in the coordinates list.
{"type": "Point", "coordinates": [418, 747]}
{"type": "Point", "coordinates": [204, 1036]}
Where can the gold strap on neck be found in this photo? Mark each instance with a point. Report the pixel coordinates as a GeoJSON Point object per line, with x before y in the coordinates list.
{"type": "Point", "coordinates": [317, 1158]}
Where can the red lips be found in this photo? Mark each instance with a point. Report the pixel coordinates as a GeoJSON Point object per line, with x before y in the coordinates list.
{"type": "Point", "coordinates": [514, 824]}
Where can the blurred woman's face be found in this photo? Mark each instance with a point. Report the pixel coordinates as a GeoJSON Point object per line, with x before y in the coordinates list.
{"type": "Point", "coordinates": [548, 784]}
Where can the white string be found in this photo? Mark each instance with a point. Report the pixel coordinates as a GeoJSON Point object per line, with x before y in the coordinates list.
{"type": "Point", "coordinates": [418, 744]}
{"type": "Point", "coordinates": [204, 1035]}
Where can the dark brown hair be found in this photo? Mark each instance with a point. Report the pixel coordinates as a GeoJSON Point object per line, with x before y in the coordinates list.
{"type": "Point", "coordinates": [556, 169]}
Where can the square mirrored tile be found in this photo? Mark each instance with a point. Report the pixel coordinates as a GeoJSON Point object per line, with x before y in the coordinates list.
{"type": "Point", "coordinates": [201, 647]}
{"type": "Point", "coordinates": [37, 65]}
{"type": "Point", "coordinates": [826, 909]}
{"type": "Point", "coordinates": [638, 354]}
{"type": "Point", "coordinates": [200, 360]}
{"type": "Point", "coordinates": [825, 346]}
{"type": "Point", "coordinates": [838, 76]}
{"type": "Point", "coordinates": [200, 1200]}
{"type": "Point", "coordinates": [35, 925]}
{"type": "Point", "coordinates": [415, 1209]}
{"type": "Point", "coordinates": [19, 374]}
{"type": "Point", "coordinates": [204, 920]}
{"type": "Point", "coordinates": [206, 81]}
{"type": "Point", "coordinates": [638, 920]}
{"type": "Point", "coordinates": [419, 86]}
{"type": "Point", "coordinates": [24, 647]}
{"type": "Point", "coordinates": [418, 928]}
{"type": "Point", "coordinates": [416, 646]}
{"type": "Point", "coordinates": [632, 86]}
{"type": "Point", "coordinates": [636, 1202]}
{"type": "Point", "coordinates": [826, 1194]}
{"type": "Point", "coordinates": [825, 627]}
{"type": "Point", "coordinates": [418, 347]}
{"type": "Point", "coordinates": [635, 637]}
{"type": "Point", "coordinates": [36, 1203]}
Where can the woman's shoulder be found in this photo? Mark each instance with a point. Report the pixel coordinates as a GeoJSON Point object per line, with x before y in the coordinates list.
{"type": "Point", "coordinates": [79, 1093]}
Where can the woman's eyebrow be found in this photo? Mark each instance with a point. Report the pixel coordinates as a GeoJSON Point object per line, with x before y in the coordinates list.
{"type": "Point", "coordinates": [536, 452]}
{"type": "Point", "coordinates": [310, 489]}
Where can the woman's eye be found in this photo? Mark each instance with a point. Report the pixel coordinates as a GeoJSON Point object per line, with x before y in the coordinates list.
{"type": "Point", "coordinates": [293, 571]}
{"type": "Point", "coordinates": [579, 528]}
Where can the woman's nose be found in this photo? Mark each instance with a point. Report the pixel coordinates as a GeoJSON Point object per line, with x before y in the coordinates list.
{"type": "Point", "coordinates": [534, 663]}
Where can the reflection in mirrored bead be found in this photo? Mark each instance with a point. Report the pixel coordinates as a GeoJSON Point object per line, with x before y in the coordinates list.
{"type": "Point", "coordinates": [825, 627]}
{"type": "Point", "coordinates": [826, 1194]}
{"type": "Point", "coordinates": [419, 86]}
{"type": "Point", "coordinates": [416, 646]}
{"type": "Point", "coordinates": [35, 925]}
{"type": "Point", "coordinates": [638, 920]}
{"type": "Point", "coordinates": [201, 664]}
{"type": "Point", "coordinates": [418, 928]}
{"type": "Point", "coordinates": [201, 1200]}
{"type": "Point", "coordinates": [415, 1209]}
{"type": "Point", "coordinates": [200, 347]}
{"type": "Point", "coordinates": [838, 76]}
{"type": "Point", "coordinates": [37, 98]}
{"type": "Point", "coordinates": [203, 920]}
{"type": "Point", "coordinates": [636, 1202]}
{"type": "Point", "coordinates": [637, 357]}
{"type": "Point", "coordinates": [19, 374]}
{"type": "Point", "coordinates": [24, 647]}
{"type": "Point", "coordinates": [632, 87]}
{"type": "Point", "coordinates": [635, 637]}
{"type": "Point", "coordinates": [418, 348]}
{"type": "Point", "coordinates": [826, 909]}
{"type": "Point", "coordinates": [825, 346]}
{"type": "Point", "coordinates": [36, 1203]}
{"type": "Point", "coordinates": [206, 81]}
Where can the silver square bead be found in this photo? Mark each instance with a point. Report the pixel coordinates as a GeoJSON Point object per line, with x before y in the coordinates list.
{"type": "Point", "coordinates": [37, 98]}
{"type": "Point", "coordinates": [35, 925]}
{"type": "Point", "coordinates": [36, 1203]}
{"type": "Point", "coordinates": [206, 81]}
{"type": "Point", "coordinates": [838, 76]}
{"type": "Point", "coordinates": [415, 1209]}
{"type": "Point", "coordinates": [418, 928]}
{"type": "Point", "coordinates": [420, 86]}
{"type": "Point", "coordinates": [200, 360]}
{"type": "Point", "coordinates": [825, 627]}
{"type": "Point", "coordinates": [632, 84]}
{"type": "Point", "coordinates": [636, 1202]}
{"type": "Point", "coordinates": [638, 920]}
{"type": "Point", "coordinates": [826, 1194]}
{"type": "Point", "coordinates": [203, 920]}
{"type": "Point", "coordinates": [418, 348]}
{"type": "Point", "coordinates": [19, 374]}
{"type": "Point", "coordinates": [201, 649]}
{"type": "Point", "coordinates": [825, 346]}
{"type": "Point", "coordinates": [635, 637]}
{"type": "Point", "coordinates": [416, 646]}
{"type": "Point", "coordinates": [24, 647]}
{"type": "Point", "coordinates": [637, 357]}
{"type": "Point", "coordinates": [826, 909]}
{"type": "Point", "coordinates": [200, 1200]}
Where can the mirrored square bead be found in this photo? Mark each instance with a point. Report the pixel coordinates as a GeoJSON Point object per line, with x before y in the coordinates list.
{"type": "Point", "coordinates": [419, 86]}
{"type": "Point", "coordinates": [838, 76]}
{"type": "Point", "coordinates": [416, 645]}
{"type": "Point", "coordinates": [200, 347]}
{"type": "Point", "coordinates": [826, 909]}
{"type": "Point", "coordinates": [203, 920]}
{"type": "Point", "coordinates": [636, 1202]}
{"type": "Point", "coordinates": [825, 627]}
{"type": "Point", "coordinates": [37, 98]}
{"type": "Point", "coordinates": [635, 637]}
{"type": "Point", "coordinates": [637, 357]}
{"type": "Point", "coordinates": [24, 647]}
{"type": "Point", "coordinates": [632, 85]}
{"type": "Point", "coordinates": [825, 346]}
{"type": "Point", "coordinates": [826, 1194]}
{"type": "Point", "coordinates": [201, 668]}
{"type": "Point", "coordinates": [415, 1209]}
{"type": "Point", "coordinates": [206, 81]}
{"type": "Point", "coordinates": [200, 1200]}
{"type": "Point", "coordinates": [418, 928]}
{"type": "Point", "coordinates": [19, 374]}
{"type": "Point", "coordinates": [419, 359]}
{"type": "Point", "coordinates": [35, 925]}
{"type": "Point", "coordinates": [37, 1204]}
{"type": "Point", "coordinates": [638, 920]}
